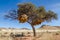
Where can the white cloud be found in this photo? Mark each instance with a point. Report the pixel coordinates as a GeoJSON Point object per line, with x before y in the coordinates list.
{"type": "Point", "coordinates": [54, 7]}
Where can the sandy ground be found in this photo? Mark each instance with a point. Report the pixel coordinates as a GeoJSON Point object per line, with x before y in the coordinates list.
{"type": "Point", "coordinates": [41, 36]}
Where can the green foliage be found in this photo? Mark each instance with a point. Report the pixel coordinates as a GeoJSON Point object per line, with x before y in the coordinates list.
{"type": "Point", "coordinates": [34, 15]}
{"type": "Point", "coordinates": [25, 8]}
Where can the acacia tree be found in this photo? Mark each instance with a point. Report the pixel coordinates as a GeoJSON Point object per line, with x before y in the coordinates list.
{"type": "Point", "coordinates": [27, 12]}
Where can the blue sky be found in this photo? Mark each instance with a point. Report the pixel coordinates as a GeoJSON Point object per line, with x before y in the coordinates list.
{"type": "Point", "coordinates": [6, 5]}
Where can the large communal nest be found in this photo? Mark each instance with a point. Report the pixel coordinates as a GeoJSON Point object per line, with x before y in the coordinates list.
{"type": "Point", "coordinates": [37, 21]}
{"type": "Point", "coordinates": [23, 18]}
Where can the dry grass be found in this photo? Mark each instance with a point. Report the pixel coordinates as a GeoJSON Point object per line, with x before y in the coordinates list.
{"type": "Point", "coordinates": [44, 36]}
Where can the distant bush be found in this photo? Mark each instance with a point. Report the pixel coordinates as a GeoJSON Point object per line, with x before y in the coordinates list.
{"type": "Point", "coordinates": [57, 33]}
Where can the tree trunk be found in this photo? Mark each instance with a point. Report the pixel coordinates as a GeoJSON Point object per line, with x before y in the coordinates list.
{"type": "Point", "coordinates": [34, 32]}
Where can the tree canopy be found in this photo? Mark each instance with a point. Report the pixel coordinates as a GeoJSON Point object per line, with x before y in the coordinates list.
{"type": "Point", "coordinates": [27, 12]}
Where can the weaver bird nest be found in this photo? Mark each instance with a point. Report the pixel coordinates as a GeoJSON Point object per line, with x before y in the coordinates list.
{"type": "Point", "coordinates": [37, 21]}
{"type": "Point", "coordinates": [23, 18]}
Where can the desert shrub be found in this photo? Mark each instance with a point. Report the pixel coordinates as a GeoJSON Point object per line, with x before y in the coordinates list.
{"type": "Point", "coordinates": [57, 33]}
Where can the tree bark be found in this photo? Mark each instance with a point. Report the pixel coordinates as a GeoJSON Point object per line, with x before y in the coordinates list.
{"type": "Point", "coordinates": [33, 28]}
{"type": "Point", "coordinates": [34, 32]}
